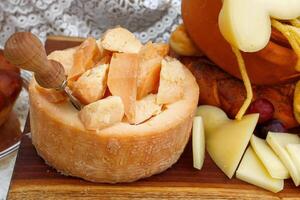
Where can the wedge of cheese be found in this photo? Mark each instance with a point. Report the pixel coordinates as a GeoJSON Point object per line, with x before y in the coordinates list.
{"type": "Point", "coordinates": [278, 142]}
{"type": "Point", "coordinates": [102, 113]}
{"type": "Point", "coordinates": [84, 58]}
{"type": "Point", "coordinates": [252, 170]}
{"type": "Point", "coordinates": [269, 159]}
{"type": "Point", "coordinates": [226, 140]}
{"type": "Point", "coordinates": [122, 81]}
{"type": "Point", "coordinates": [171, 81]}
{"type": "Point", "coordinates": [294, 152]}
{"type": "Point", "coordinates": [120, 40]}
{"type": "Point", "coordinates": [64, 57]}
{"type": "Point", "coordinates": [150, 57]}
{"type": "Point", "coordinates": [91, 85]}
{"type": "Point", "coordinates": [146, 108]}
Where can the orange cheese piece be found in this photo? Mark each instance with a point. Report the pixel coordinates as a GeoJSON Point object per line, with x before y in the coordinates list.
{"type": "Point", "coordinates": [171, 81]}
{"type": "Point", "coordinates": [85, 57]}
{"type": "Point", "coordinates": [150, 58]}
{"type": "Point", "coordinates": [120, 40]}
{"type": "Point", "coordinates": [91, 85]}
{"type": "Point", "coordinates": [64, 57]}
{"type": "Point", "coordinates": [122, 80]}
{"type": "Point", "coordinates": [146, 108]}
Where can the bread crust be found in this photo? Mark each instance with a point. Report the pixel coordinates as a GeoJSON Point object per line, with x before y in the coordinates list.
{"type": "Point", "coordinates": [119, 153]}
{"type": "Point", "coordinates": [220, 89]}
{"type": "Point", "coordinates": [273, 65]}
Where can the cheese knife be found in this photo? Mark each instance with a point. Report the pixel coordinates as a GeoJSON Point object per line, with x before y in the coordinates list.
{"type": "Point", "coordinates": [26, 51]}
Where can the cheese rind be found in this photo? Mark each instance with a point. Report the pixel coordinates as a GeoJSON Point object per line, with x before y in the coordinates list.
{"type": "Point", "coordinates": [251, 170]}
{"type": "Point", "coordinates": [52, 95]}
{"type": "Point", "coordinates": [269, 159]}
{"type": "Point", "coordinates": [91, 85]}
{"type": "Point", "coordinates": [119, 153]}
{"type": "Point", "coordinates": [102, 113]}
{"type": "Point", "coordinates": [226, 140]}
{"type": "Point", "coordinates": [278, 142]}
{"type": "Point", "coordinates": [150, 57]}
{"type": "Point", "coordinates": [171, 81]}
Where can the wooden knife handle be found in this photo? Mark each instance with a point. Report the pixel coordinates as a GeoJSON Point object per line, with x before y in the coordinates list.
{"type": "Point", "coordinates": [26, 51]}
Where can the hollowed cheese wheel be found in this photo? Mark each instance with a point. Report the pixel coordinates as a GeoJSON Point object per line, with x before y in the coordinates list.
{"type": "Point", "coordinates": [274, 64]}
{"type": "Point", "coordinates": [119, 153]}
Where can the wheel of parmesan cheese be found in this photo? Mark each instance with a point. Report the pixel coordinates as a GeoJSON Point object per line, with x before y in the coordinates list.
{"type": "Point", "coordinates": [119, 153]}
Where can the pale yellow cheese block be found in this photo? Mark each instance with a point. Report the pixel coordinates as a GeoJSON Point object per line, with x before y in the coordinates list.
{"type": "Point", "coordinates": [278, 142]}
{"type": "Point", "coordinates": [252, 170]}
{"type": "Point", "coordinates": [119, 153]}
{"type": "Point", "coordinates": [294, 152]}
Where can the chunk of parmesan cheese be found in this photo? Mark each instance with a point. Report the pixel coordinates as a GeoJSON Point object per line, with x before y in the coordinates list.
{"type": "Point", "coordinates": [122, 81]}
{"type": "Point", "coordinates": [171, 81]}
{"type": "Point", "coordinates": [146, 108]}
{"type": "Point", "coordinates": [121, 40]}
{"type": "Point", "coordinates": [102, 113]}
{"type": "Point", "coordinates": [91, 85]}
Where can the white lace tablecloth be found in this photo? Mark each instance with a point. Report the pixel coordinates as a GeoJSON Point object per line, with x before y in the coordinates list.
{"type": "Point", "coordinates": [148, 19]}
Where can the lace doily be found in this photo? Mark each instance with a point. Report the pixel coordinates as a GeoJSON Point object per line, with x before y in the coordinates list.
{"type": "Point", "coordinates": [148, 19]}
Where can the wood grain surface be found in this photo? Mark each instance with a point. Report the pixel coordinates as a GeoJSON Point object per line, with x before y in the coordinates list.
{"type": "Point", "coordinates": [33, 179]}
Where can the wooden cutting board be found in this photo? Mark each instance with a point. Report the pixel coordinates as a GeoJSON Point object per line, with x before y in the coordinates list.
{"type": "Point", "coordinates": [33, 179]}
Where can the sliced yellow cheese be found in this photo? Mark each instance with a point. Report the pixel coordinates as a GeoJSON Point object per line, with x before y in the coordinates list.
{"type": "Point", "coordinates": [171, 81]}
{"type": "Point", "coordinates": [294, 152]}
{"type": "Point", "coordinates": [252, 170]}
{"type": "Point", "coordinates": [246, 24]}
{"type": "Point", "coordinates": [102, 113]}
{"type": "Point", "coordinates": [120, 40]}
{"type": "Point", "coordinates": [278, 142]}
{"type": "Point", "coordinates": [91, 85]}
{"type": "Point", "coordinates": [146, 108]}
{"type": "Point", "coordinates": [269, 159]}
{"type": "Point", "coordinates": [198, 141]}
{"type": "Point", "coordinates": [226, 140]}
{"type": "Point", "coordinates": [122, 81]}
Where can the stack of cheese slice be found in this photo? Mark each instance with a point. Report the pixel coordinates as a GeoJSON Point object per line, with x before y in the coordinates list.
{"type": "Point", "coordinates": [267, 163]}
{"type": "Point", "coordinates": [137, 115]}
{"type": "Point", "coordinates": [264, 163]}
